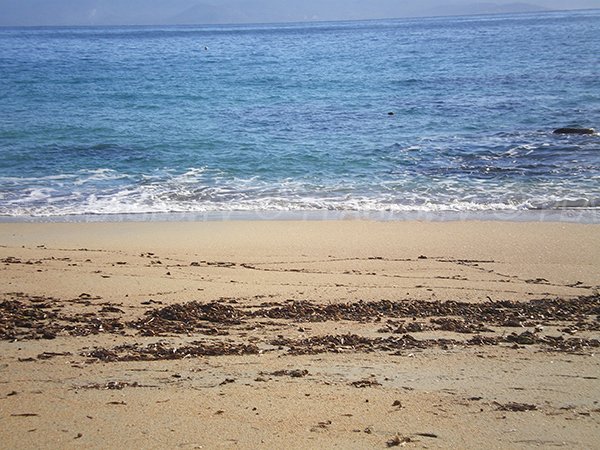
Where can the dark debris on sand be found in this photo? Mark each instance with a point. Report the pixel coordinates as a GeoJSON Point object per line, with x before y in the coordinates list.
{"type": "Point", "coordinates": [516, 407]}
{"type": "Point", "coordinates": [34, 317]}
{"type": "Point", "coordinates": [112, 385]}
{"type": "Point", "coordinates": [367, 382]}
{"type": "Point", "coordinates": [162, 351]}
{"type": "Point", "coordinates": [294, 373]}
{"type": "Point", "coordinates": [188, 317]}
{"type": "Point", "coordinates": [355, 343]}
{"type": "Point", "coordinates": [492, 313]}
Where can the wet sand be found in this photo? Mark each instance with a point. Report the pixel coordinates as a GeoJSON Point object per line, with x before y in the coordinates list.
{"type": "Point", "coordinates": [340, 334]}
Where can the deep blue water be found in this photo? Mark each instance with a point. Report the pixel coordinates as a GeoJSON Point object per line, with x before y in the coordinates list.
{"type": "Point", "coordinates": [114, 120]}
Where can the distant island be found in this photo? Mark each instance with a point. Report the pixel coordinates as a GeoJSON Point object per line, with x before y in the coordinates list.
{"type": "Point", "coordinates": [185, 12]}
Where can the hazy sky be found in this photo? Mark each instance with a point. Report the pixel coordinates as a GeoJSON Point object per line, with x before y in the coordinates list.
{"type": "Point", "coordinates": [116, 12]}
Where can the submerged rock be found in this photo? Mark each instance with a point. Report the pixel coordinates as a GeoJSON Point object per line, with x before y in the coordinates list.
{"type": "Point", "coordinates": [573, 130]}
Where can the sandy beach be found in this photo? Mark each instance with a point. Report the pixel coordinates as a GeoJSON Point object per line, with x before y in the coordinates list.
{"type": "Point", "coordinates": [299, 334]}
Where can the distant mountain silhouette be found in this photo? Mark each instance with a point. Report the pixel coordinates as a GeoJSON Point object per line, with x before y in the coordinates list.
{"type": "Point", "coordinates": [204, 13]}
{"type": "Point", "coordinates": [155, 12]}
{"type": "Point", "coordinates": [486, 8]}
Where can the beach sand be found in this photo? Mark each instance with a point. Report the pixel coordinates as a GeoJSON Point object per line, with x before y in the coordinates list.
{"type": "Point", "coordinates": [289, 334]}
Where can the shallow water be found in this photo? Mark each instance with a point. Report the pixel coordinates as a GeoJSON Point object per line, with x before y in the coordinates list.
{"type": "Point", "coordinates": [267, 118]}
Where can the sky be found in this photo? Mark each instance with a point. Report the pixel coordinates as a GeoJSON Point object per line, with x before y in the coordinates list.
{"type": "Point", "coordinates": [156, 12]}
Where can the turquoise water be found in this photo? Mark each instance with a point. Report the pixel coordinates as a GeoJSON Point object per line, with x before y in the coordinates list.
{"type": "Point", "coordinates": [119, 120]}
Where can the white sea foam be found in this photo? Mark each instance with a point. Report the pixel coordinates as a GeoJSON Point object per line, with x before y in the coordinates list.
{"type": "Point", "coordinates": [92, 176]}
{"type": "Point", "coordinates": [148, 202]}
{"type": "Point", "coordinates": [200, 190]}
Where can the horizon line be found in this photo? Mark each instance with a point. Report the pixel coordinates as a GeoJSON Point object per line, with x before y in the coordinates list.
{"type": "Point", "coordinates": [308, 21]}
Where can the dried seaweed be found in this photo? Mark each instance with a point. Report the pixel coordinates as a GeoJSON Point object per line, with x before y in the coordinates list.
{"type": "Point", "coordinates": [356, 343]}
{"type": "Point", "coordinates": [353, 343]}
{"type": "Point", "coordinates": [162, 351]}
{"type": "Point", "coordinates": [29, 320]}
{"type": "Point", "coordinates": [34, 317]}
{"type": "Point", "coordinates": [492, 313]}
{"type": "Point", "coordinates": [326, 344]}
{"type": "Point", "coordinates": [112, 385]}
{"type": "Point", "coordinates": [187, 318]}
{"type": "Point", "coordinates": [513, 406]}
{"type": "Point", "coordinates": [398, 440]}
{"type": "Point", "coordinates": [368, 382]}
{"type": "Point", "coordinates": [294, 373]}
{"type": "Point", "coordinates": [403, 327]}
{"type": "Point", "coordinates": [459, 325]}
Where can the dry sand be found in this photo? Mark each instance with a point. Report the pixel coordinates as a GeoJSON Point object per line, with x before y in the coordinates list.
{"type": "Point", "coordinates": [339, 334]}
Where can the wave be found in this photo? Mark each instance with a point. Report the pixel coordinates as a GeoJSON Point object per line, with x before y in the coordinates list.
{"type": "Point", "coordinates": [40, 203]}
{"type": "Point", "coordinates": [202, 190]}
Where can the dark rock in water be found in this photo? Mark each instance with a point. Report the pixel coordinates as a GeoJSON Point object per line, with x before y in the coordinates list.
{"type": "Point", "coordinates": [569, 130]}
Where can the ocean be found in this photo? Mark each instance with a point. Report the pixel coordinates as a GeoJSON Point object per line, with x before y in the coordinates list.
{"type": "Point", "coordinates": [392, 118]}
